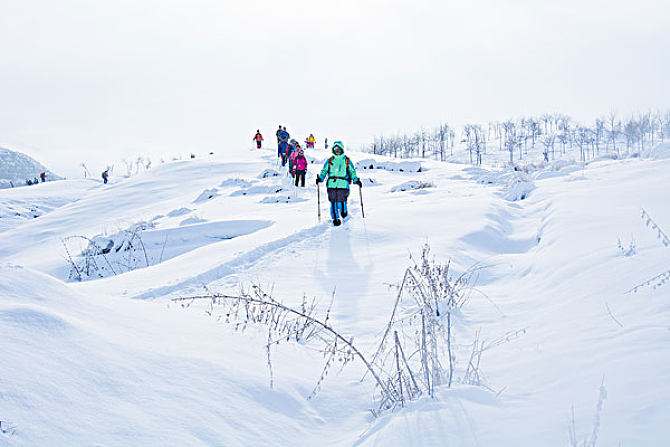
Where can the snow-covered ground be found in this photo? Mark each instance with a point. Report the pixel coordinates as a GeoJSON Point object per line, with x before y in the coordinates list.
{"type": "Point", "coordinates": [113, 361]}
{"type": "Point", "coordinates": [16, 168]}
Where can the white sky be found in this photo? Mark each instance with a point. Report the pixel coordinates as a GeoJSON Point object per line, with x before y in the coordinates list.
{"type": "Point", "coordinates": [87, 80]}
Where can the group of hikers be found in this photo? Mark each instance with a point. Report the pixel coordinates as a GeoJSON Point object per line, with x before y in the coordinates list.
{"type": "Point", "coordinates": [35, 181]}
{"type": "Point", "coordinates": [338, 171]}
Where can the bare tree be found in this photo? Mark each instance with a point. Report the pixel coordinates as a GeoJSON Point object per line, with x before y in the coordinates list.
{"type": "Point", "coordinates": [548, 141]}
{"type": "Point", "coordinates": [510, 138]}
{"type": "Point", "coordinates": [631, 131]}
{"type": "Point", "coordinates": [613, 130]}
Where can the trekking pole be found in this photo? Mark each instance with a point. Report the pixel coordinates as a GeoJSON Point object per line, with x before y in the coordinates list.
{"type": "Point", "coordinates": [318, 200]}
{"type": "Point", "coordinates": [360, 193]}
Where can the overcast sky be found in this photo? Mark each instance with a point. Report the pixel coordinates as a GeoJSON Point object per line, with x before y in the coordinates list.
{"type": "Point", "coordinates": [85, 80]}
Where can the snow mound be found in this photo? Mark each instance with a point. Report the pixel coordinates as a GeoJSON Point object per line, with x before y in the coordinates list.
{"type": "Point", "coordinates": [281, 198]}
{"type": "Point", "coordinates": [141, 245]}
{"type": "Point", "coordinates": [516, 185]}
{"type": "Point", "coordinates": [659, 152]}
{"type": "Point", "coordinates": [518, 188]}
{"type": "Point", "coordinates": [32, 318]}
{"type": "Point", "coordinates": [235, 182]}
{"type": "Point", "coordinates": [412, 185]}
{"type": "Point", "coordinates": [393, 166]}
{"type": "Point", "coordinates": [23, 204]}
{"type": "Point", "coordinates": [16, 168]}
{"type": "Point", "coordinates": [98, 368]}
{"type": "Point", "coordinates": [192, 221]}
{"type": "Point", "coordinates": [179, 212]}
{"type": "Point", "coordinates": [257, 189]}
{"type": "Point", "coordinates": [268, 173]}
{"type": "Point", "coordinates": [206, 195]}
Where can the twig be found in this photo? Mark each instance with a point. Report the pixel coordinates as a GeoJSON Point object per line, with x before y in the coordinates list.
{"type": "Point", "coordinates": [609, 311]}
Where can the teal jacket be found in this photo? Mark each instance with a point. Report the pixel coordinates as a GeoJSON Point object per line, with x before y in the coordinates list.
{"type": "Point", "coordinates": [340, 171]}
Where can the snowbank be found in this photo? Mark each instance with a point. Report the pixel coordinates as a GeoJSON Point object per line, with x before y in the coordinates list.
{"type": "Point", "coordinates": [16, 168]}
{"type": "Point", "coordinates": [112, 370]}
{"type": "Point", "coordinates": [86, 370]}
{"type": "Point", "coordinates": [659, 152]}
{"type": "Point", "coordinates": [393, 166]}
{"type": "Point", "coordinates": [412, 185]}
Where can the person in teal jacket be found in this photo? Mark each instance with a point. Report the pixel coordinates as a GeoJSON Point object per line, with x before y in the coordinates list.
{"type": "Point", "coordinates": [340, 171]}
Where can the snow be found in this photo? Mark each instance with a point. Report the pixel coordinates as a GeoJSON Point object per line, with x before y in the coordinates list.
{"type": "Point", "coordinates": [112, 361]}
{"type": "Point", "coordinates": [411, 185]}
{"type": "Point", "coordinates": [658, 152]}
{"type": "Point", "coordinates": [16, 168]}
{"type": "Point", "coordinates": [388, 165]}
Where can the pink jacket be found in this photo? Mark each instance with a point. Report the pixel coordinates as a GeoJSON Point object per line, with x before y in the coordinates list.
{"type": "Point", "coordinates": [300, 163]}
{"type": "Point", "coordinates": [293, 156]}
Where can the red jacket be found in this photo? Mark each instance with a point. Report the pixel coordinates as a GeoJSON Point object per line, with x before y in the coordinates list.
{"type": "Point", "coordinates": [258, 137]}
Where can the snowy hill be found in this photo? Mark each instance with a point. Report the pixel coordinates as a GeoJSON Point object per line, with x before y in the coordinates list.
{"type": "Point", "coordinates": [95, 352]}
{"type": "Point", "coordinates": [16, 168]}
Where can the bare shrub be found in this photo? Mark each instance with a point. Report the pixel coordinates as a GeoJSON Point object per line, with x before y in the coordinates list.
{"type": "Point", "coordinates": [592, 439]}
{"type": "Point", "coordinates": [415, 354]}
{"type": "Point", "coordinates": [662, 278]}
{"type": "Point", "coordinates": [103, 256]}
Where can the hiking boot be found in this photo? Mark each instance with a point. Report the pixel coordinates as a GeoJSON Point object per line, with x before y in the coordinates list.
{"type": "Point", "coordinates": [344, 214]}
{"type": "Point", "coordinates": [337, 222]}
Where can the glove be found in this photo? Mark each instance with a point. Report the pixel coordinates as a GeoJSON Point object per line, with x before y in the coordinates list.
{"type": "Point", "coordinates": [359, 183]}
{"type": "Point", "coordinates": [318, 180]}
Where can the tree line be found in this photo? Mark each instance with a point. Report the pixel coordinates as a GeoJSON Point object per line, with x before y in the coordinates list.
{"type": "Point", "coordinates": [551, 135]}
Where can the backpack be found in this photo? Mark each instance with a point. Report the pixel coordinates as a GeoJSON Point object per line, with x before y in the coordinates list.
{"type": "Point", "coordinates": [330, 165]}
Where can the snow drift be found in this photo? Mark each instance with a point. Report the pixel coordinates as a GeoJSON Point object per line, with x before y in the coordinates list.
{"type": "Point", "coordinates": [16, 168]}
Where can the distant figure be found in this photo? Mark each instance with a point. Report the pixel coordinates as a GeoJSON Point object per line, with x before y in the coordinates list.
{"type": "Point", "coordinates": [310, 141]}
{"type": "Point", "coordinates": [277, 133]}
{"type": "Point", "coordinates": [35, 181]}
{"type": "Point", "coordinates": [282, 147]}
{"type": "Point", "coordinates": [300, 168]}
{"type": "Point", "coordinates": [291, 153]}
{"type": "Point", "coordinates": [29, 182]}
{"type": "Point", "coordinates": [325, 143]}
{"type": "Point", "coordinates": [258, 138]}
{"type": "Point", "coordinates": [192, 156]}
{"type": "Point", "coordinates": [43, 176]}
{"type": "Point", "coordinates": [105, 176]}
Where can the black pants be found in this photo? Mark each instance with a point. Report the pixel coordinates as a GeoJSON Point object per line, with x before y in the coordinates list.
{"type": "Point", "coordinates": [300, 177]}
{"type": "Point", "coordinates": [258, 144]}
{"type": "Point", "coordinates": [338, 202]}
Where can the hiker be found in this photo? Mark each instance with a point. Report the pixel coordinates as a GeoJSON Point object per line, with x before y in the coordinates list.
{"type": "Point", "coordinates": [43, 176]}
{"type": "Point", "coordinates": [310, 141]}
{"type": "Point", "coordinates": [258, 138]}
{"type": "Point", "coordinates": [35, 181]}
{"type": "Point", "coordinates": [105, 176]}
{"type": "Point", "coordinates": [29, 182]}
{"type": "Point", "coordinates": [300, 168]}
{"type": "Point", "coordinates": [325, 143]}
{"type": "Point", "coordinates": [282, 149]}
{"type": "Point", "coordinates": [291, 153]}
{"type": "Point", "coordinates": [277, 133]}
{"type": "Point", "coordinates": [340, 172]}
